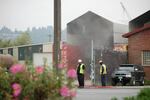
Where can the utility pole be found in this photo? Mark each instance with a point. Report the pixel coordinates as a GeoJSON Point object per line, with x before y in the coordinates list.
{"type": "Point", "coordinates": [49, 35]}
{"type": "Point", "coordinates": [92, 63]}
{"type": "Point", "coordinates": [57, 33]}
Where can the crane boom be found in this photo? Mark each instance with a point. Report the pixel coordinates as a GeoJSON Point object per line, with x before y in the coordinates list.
{"type": "Point", "coordinates": [124, 9]}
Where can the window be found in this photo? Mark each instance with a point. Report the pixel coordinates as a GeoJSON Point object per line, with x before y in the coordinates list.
{"type": "Point", "coordinates": [10, 51]}
{"type": "Point", "coordinates": [1, 51]}
{"type": "Point", "coordinates": [21, 53]}
{"type": "Point", "coordinates": [146, 58]}
{"type": "Point", "coordinates": [26, 53]}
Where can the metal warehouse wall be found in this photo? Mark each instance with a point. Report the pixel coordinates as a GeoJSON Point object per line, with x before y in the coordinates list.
{"type": "Point", "coordinates": [88, 27]}
{"type": "Point", "coordinates": [80, 33]}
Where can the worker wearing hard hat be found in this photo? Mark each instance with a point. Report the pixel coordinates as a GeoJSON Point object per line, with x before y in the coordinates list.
{"type": "Point", "coordinates": [80, 73]}
{"type": "Point", "coordinates": [103, 72]}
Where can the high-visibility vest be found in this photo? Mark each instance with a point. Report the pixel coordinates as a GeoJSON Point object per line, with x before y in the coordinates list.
{"type": "Point", "coordinates": [81, 71]}
{"type": "Point", "coordinates": [105, 70]}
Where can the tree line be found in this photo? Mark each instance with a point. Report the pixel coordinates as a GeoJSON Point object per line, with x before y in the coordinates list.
{"type": "Point", "coordinates": [23, 39]}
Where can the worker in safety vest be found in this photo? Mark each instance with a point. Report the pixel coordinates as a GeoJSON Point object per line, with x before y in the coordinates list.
{"type": "Point", "coordinates": [80, 73]}
{"type": "Point", "coordinates": [103, 72]}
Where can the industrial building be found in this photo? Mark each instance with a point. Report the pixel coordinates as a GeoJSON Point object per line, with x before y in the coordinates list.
{"type": "Point", "coordinates": [139, 42]}
{"type": "Point", "coordinates": [93, 32]}
{"type": "Point", "coordinates": [120, 43]}
{"type": "Point", "coordinates": [32, 52]}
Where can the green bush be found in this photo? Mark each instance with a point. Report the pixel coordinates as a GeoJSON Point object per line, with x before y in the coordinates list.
{"type": "Point", "coordinates": [147, 82]}
{"type": "Point", "coordinates": [143, 95]}
{"type": "Point", "coordinates": [130, 98]}
{"type": "Point", "coordinates": [114, 98]}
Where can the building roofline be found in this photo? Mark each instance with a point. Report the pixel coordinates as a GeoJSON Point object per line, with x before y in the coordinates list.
{"type": "Point", "coordinates": [87, 13]}
{"type": "Point", "coordinates": [146, 27]}
{"type": "Point", "coordinates": [141, 17]}
{"type": "Point", "coordinates": [34, 44]}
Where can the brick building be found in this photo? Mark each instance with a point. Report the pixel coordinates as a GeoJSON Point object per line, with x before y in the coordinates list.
{"type": "Point", "coordinates": [139, 42]}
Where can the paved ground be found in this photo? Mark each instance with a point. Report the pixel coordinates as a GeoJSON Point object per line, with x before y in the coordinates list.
{"type": "Point", "coordinates": [106, 93]}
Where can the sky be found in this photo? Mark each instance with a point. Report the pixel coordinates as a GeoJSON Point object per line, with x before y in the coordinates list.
{"type": "Point", "coordinates": [23, 14]}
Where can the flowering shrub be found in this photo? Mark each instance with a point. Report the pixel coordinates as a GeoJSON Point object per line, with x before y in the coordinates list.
{"type": "Point", "coordinates": [64, 91]}
{"type": "Point", "coordinates": [39, 69]}
{"type": "Point", "coordinates": [71, 73]}
{"type": "Point", "coordinates": [6, 61]}
{"type": "Point", "coordinates": [16, 89]}
{"type": "Point", "coordinates": [22, 82]}
{"type": "Point", "coordinates": [17, 68]}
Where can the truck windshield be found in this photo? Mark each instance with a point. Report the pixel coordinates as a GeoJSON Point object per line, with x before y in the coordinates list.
{"type": "Point", "coordinates": [126, 67]}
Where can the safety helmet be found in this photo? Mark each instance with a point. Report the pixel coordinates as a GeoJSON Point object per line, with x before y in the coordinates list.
{"type": "Point", "coordinates": [79, 60]}
{"type": "Point", "coordinates": [100, 61]}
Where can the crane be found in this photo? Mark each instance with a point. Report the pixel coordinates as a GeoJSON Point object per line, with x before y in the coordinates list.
{"type": "Point", "coordinates": [124, 9]}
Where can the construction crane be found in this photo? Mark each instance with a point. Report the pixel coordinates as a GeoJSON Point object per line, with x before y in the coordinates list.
{"type": "Point", "coordinates": [124, 10]}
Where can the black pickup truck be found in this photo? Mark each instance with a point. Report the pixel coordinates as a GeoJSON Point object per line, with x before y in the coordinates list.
{"type": "Point", "coordinates": [128, 74]}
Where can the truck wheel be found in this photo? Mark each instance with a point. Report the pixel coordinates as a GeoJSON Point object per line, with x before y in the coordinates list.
{"type": "Point", "coordinates": [142, 83]}
{"type": "Point", "coordinates": [113, 83]}
{"type": "Point", "coordinates": [124, 84]}
{"type": "Point", "coordinates": [133, 82]}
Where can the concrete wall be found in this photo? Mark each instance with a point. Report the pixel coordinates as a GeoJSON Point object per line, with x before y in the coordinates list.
{"type": "Point", "coordinates": [15, 52]}
{"type": "Point", "coordinates": [48, 47]}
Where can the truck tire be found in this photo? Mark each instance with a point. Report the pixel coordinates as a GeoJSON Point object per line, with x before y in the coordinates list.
{"type": "Point", "coordinates": [133, 82]}
{"type": "Point", "coordinates": [113, 83]}
{"type": "Point", "coordinates": [124, 83]}
{"type": "Point", "coordinates": [142, 83]}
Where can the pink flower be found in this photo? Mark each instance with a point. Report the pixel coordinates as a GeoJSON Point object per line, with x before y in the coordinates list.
{"type": "Point", "coordinates": [16, 89]}
{"type": "Point", "coordinates": [39, 69]}
{"type": "Point", "coordinates": [61, 66]}
{"type": "Point", "coordinates": [71, 73]}
{"type": "Point", "coordinates": [64, 91]}
{"type": "Point", "coordinates": [17, 68]}
{"type": "Point", "coordinates": [73, 93]}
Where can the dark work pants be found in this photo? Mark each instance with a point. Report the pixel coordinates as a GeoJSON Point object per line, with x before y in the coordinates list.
{"type": "Point", "coordinates": [81, 80]}
{"type": "Point", "coordinates": [103, 80]}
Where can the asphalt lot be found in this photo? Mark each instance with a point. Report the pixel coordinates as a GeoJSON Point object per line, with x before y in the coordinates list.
{"type": "Point", "coordinates": [107, 93]}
